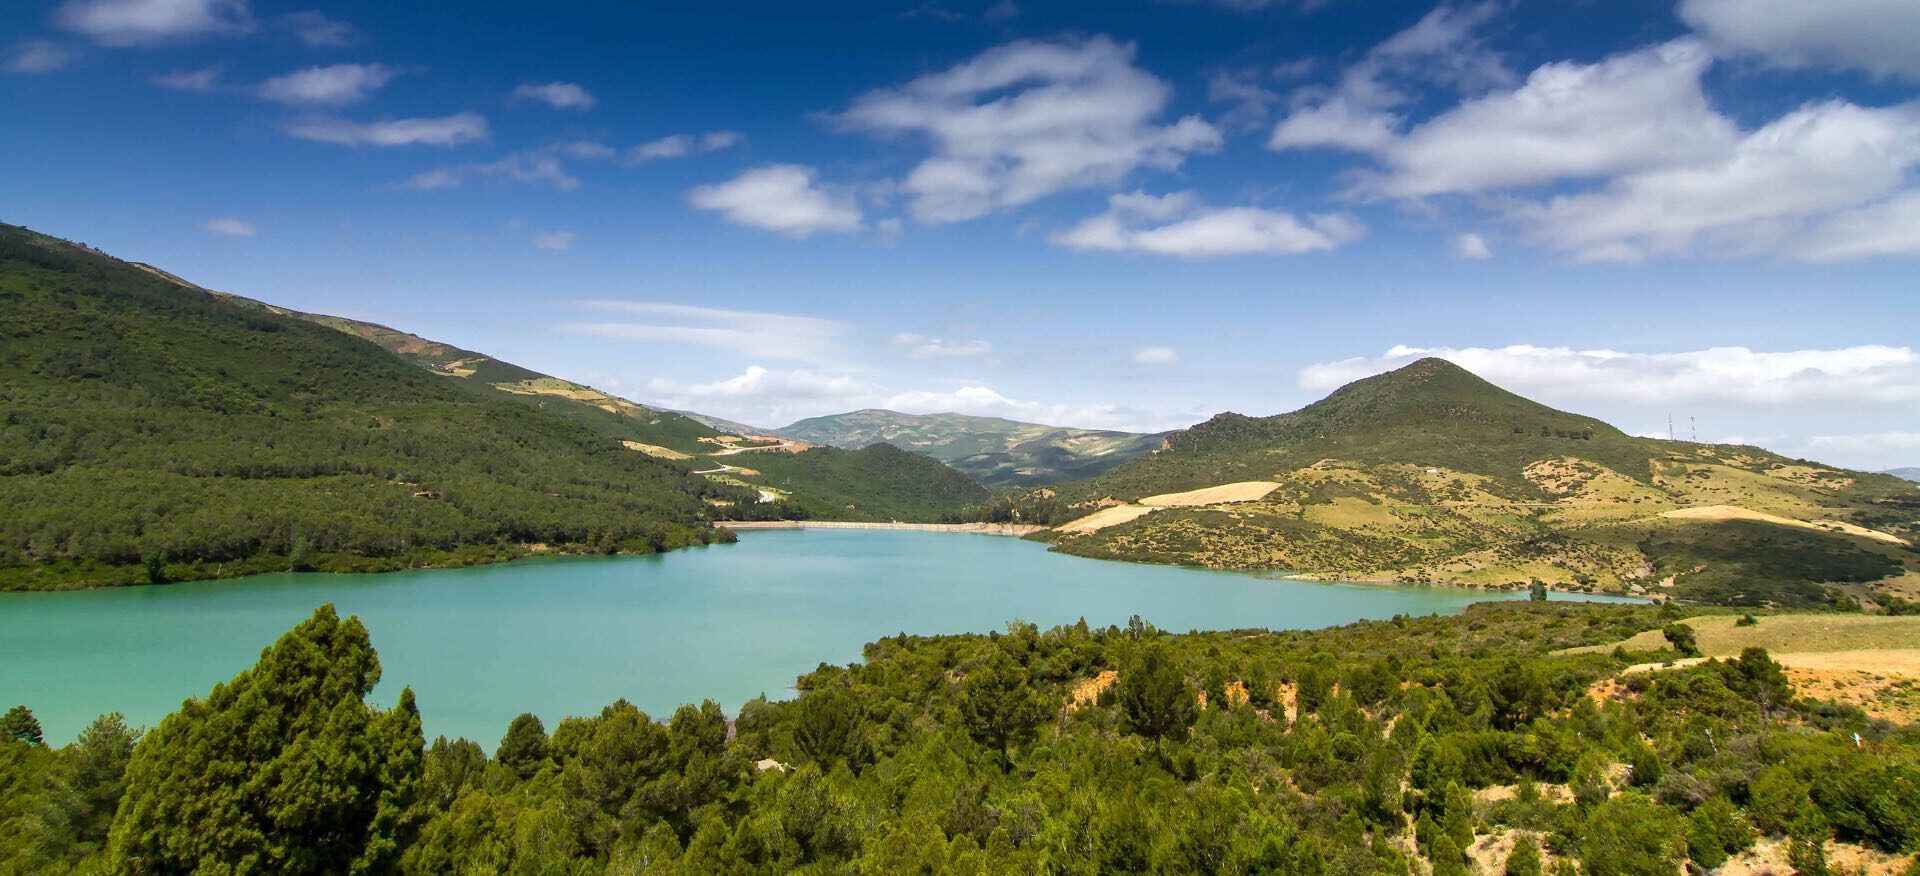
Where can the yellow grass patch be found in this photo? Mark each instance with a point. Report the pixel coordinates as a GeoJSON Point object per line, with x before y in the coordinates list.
{"type": "Point", "coordinates": [1787, 634]}
{"type": "Point", "coordinates": [655, 450]}
{"type": "Point", "coordinates": [1735, 512]}
{"type": "Point", "coordinates": [1105, 517]}
{"type": "Point", "coordinates": [1244, 491]}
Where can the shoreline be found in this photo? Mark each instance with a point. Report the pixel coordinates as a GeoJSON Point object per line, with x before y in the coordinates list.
{"type": "Point", "coordinates": [1008, 529]}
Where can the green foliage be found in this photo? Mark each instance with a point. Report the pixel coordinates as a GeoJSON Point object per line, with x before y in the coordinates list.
{"type": "Point", "coordinates": [284, 768]}
{"type": "Point", "coordinates": [1524, 860]}
{"type": "Point", "coordinates": [829, 728]}
{"type": "Point", "coordinates": [1155, 697]}
{"type": "Point", "coordinates": [1630, 835]}
{"type": "Point", "coordinates": [1807, 843]}
{"type": "Point", "coordinates": [524, 748]}
{"type": "Point", "coordinates": [19, 723]}
{"type": "Point", "coordinates": [1000, 708]}
{"type": "Point", "coordinates": [1715, 831]}
{"type": "Point", "coordinates": [1682, 638]}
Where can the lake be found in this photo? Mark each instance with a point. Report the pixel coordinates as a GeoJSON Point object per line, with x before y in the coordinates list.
{"type": "Point", "coordinates": [566, 636]}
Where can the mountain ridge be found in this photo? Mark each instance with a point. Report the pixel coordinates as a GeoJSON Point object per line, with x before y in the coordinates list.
{"type": "Point", "coordinates": [996, 451]}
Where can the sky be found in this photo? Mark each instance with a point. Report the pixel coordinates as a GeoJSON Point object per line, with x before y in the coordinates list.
{"type": "Point", "coordinates": [1131, 214]}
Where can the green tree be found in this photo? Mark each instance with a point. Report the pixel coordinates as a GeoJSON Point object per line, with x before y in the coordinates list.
{"type": "Point", "coordinates": [1154, 696]}
{"type": "Point", "coordinates": [19, 723]}
{"type": "Point", "coordinates": [1682, 638]}
{"type": "Point", "coordinates": [91, 785]}
{"type": "Point", "coordinates": [830, 728]}
{"type": "Point", "coordinates": [1524, 860]}
{"type": "Point", "coordinates": [1716, 830]}
{"type": "Point", "coordinates": [1630, 835]}
{"type": "Point", "coordinates": [1448, 859]}
{"type": "Point", "coordinates": [1807, 843]}
{"type": "Point", "coordinates": [1537, 592]}
{"type": "Point", "coordinates": [285, 768]}
{"type": "Point", "coordinates": [1000, 708]}
{"type": "Point", "coordinates": [524, 748]}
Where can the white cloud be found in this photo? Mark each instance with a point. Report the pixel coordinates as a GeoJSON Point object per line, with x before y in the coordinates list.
{"type": "Point", "coordinates": [38, 56]}
{"type": "Point", "coordinates": [227, 226]}
{"type": "Point", "coordinates": [781, 198]}
{"type": "Point", "coordinates": [554, 240]}
{"type": "Point", "coordinates": [1865, 375]}
{"type": "Point", "coordinates": [1028, 119]}
{"type": "Point", "coordinates": [756, 333]}
{"type": "Point", "coordinates": [1005, 10]}
{"type": "Point", "coordinates": [532, 167]}
{"type": "Point", "coordinates": [1361, 113]}
{"type": "Point", "coordinates": [1867, 442]}
{"type": "Point", "coordinates": [1876, 36]}
{"type": "Point", "coordinates": [1758, 199]}
{"type": "Point", "coordinates": [1471, 246]}
{"type": "Point", "coordinates": [1156, 356]}
{"type": "Point", "coordinates": [559, 95]}
{"type": "Point", "coordinates": [203, 79]}
{"type": "Point", "coordinates": [334, 85]}
{"type": "Point", "coordinates": [1635, 111]}
{"type": "Point", "coordinates": [1187, 230]}
{"type": "Point", "coordinates": [319, 31]}
{"type": "Point", "coordinates": [764, 395]}
{"type": "Point", "coordinates": [682, 145]}
{"type": "Point", "coordinates": [142, 22]}
{"type": "Point", "coordinates": [1889, 228]}
{"type": "Point", "coordinates": [924, 347]}
{"type": "Point", "coordinates": [450, 130]}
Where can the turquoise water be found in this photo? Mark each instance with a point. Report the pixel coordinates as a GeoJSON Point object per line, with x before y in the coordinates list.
{"type": "Point", "coordinates": [567, 636]}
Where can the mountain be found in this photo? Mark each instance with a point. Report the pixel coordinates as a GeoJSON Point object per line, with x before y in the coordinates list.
{"type": "Point", "coordinates": [728, 426]}
{"type": "Point", "coordinates": [1431, 474]}
{"type": "Point", "coordinates": [152, 430]}
{"type": "Point", "coordinates": [993, 451]}
{"type": "Point", "coordinates": [1912, 474]}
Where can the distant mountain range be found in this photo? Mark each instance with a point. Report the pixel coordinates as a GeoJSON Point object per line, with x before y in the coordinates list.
{"type": "Point", "coordinates": [155, 430]}
{"type": "Point", "coordinates": [991, 450]}
{"type": "Point", "coordinates": [1912, 473]}
{"type": "Point", "coordinates": [1430, 473]}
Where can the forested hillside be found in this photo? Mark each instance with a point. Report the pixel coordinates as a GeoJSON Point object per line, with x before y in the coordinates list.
{"type": "Point", "coordinates": [996, 452]}
{"type": "Point", "coordinates": [1443, 745]}
{"type": "Point", "coordinates": [152, 432]}
{"type": "Point", "coordinates": [1431, 474]}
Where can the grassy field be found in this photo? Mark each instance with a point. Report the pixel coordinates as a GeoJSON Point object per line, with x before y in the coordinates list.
{"type": "Point", "coordinates": [1785, 634]}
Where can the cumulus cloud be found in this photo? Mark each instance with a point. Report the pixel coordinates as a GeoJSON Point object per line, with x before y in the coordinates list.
{"type": "Point", "coordinates": [768, 395]}
{"type": "Point", "coordinates": [333, 85]}
{"type": "Point", "coordinates": [756, 333]}
{"type": "Point", "coordinates": [1177, 225]}
{"type": "Point", "coordinates": [780, 197]}
{"type": "Point", "coordinates": [450, 130]}
{"type": "Point", "coordinates": [38, 56]}
{"type": "Point", "coordinates": [1028, 119]}
{"type": "Point", "coordinates": [924, 347]}
{"type": "Point", "coordinates": [145, 22]}
{"type": "Point", "coordinates": [319, 31]}
{"type": "Point", "coordinates": [559, 95]}
{"type": "Point", "coordinates": [227, 226]}
{"type": "Point", "coordinates": [1156, 356]}
{"type": "Point", "coordinates": [203, 79]}
{"type": "Point", "coordinates": [1868, 375]}
{"type": "Point", "coordinates": [553, 240]}
{"type": "Point", "coordinates": [1471, 246]}
{"type": "Point", "coordinates": [682, 145]}
{"type": "Point", "coordinates": [1876, 36]}
{"type": "Point", "coordinates": [1757, 198]}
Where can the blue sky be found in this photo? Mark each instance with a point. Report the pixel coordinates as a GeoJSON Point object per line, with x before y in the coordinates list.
{"type": "Point", "coordinates": [1123, 215]}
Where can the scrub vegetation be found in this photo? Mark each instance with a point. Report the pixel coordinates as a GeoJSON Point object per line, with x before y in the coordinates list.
{"type": "Point", "coordinates": [1469, 743]}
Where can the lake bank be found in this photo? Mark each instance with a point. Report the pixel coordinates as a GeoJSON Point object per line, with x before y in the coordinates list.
{"type": "Point", "coordinates": [1013, 529]}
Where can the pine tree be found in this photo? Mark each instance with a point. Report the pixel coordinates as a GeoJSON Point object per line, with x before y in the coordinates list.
{"type": "Point", "coordinates": [1155, 697]}
{"type": "Point", "coordinates": [524, 748]}
{"type": "Point", "coordinates": [19, 723]}
{"type": "Point", "coordinates": [1000, 708]}
{"type": "Point", "coordinates": [284, 769]}
{"type": "Point", "coordinates": [1524, 860]}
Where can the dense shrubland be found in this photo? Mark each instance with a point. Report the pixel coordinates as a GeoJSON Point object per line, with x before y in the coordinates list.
{"type": "Point", "coordinates": [1382, 747]}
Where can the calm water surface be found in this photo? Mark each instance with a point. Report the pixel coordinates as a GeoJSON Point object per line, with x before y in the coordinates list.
{"type": "Point", "coordinates": [567, 636]}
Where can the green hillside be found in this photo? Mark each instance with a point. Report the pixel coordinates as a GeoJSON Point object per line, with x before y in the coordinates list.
{"type": "Point", "coordinates": [153, 432]}
{"type": "Point", "coordinates": [1431, 474]}
{"type": "Point", "coordinates": [995, 452]}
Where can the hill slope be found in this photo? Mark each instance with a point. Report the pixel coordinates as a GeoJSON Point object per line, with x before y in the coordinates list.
{"type": "Point", "coordinates": [1430, 473]}
{"type": "Point", "coordinates": [151, 432]}
{"type": "Point", "coordinates": [996, 452]}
